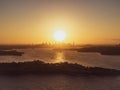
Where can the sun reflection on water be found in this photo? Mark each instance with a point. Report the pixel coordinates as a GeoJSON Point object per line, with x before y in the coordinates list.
{"type": "Point", "coordinates": [59, 57]}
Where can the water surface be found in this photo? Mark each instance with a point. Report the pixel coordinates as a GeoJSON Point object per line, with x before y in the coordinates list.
{"type": "Point", "coordinates": [61, 82]}
{"type": "Point", "coordinates": [52, 56]}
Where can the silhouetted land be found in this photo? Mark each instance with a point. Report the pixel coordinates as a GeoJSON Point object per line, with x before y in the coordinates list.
{"type": "Point", "coordinates": [11, 47]}
{"type": "Point", "coordinates": [41, 68]}
{"type": "Point", "coordinates": [10, 52]}
{"type": "Point", "coordinates": [104, 50]}
{"type": "Point", "coordinates": [43, 45]}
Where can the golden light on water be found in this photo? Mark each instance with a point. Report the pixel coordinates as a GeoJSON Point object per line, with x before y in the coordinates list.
{"type": "Point", "coordinates": [59, 35]}
{"type": "Point", "coordinates": [59, 57]}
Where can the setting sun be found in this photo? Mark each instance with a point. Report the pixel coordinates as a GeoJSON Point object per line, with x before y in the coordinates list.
{"type": "Point", "coordinates": [59, 35]}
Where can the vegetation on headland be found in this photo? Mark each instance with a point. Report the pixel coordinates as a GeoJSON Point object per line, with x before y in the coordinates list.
{"type": "Point", "coordinates": [41, 68]}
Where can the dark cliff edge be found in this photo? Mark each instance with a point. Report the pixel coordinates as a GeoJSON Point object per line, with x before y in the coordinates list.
{"type": "Point", "coordinates": [41, 68]}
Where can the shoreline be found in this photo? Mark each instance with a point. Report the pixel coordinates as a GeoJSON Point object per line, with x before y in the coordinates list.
{"type": "Point", "coordinates": [40, 68]}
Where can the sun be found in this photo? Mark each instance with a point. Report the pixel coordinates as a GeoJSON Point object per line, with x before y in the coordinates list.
{"type": "Point", "coordinates": [59, 35]}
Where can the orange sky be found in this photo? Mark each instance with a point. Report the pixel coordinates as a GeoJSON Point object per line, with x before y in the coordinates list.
{"type": "Point", "coordinates": [84, 21]}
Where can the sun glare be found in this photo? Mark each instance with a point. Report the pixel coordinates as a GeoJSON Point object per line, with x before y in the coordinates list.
{"type": "Point", "coordinates": [59, 35]}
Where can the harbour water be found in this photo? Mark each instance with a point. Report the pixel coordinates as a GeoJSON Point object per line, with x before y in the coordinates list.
{"type": "Point", "coordinates": [61, 82]}
{"type": "Point", "coordinates": [52, 56]}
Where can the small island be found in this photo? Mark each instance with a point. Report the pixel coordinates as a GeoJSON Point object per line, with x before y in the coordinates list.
{"type": "Point", "coordinates": [65, 68]}
{"type": "Point", "coordinates": [10, 53]}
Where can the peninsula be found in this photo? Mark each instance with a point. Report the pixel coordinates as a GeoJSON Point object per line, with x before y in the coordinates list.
{"type": "Point", "coordinates": [65, 68]}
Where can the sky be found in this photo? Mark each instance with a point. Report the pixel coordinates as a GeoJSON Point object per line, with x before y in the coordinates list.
{"type": "Point", "coordinates": [84, 21]}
